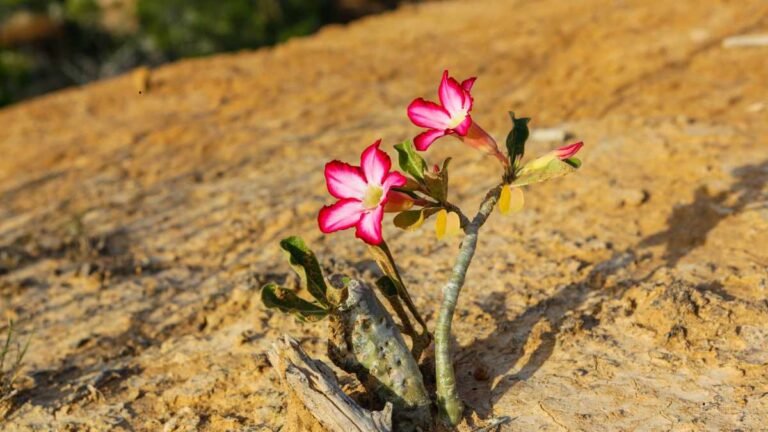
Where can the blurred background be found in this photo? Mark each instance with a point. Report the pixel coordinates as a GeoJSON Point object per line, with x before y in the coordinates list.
{"type": "Point", "coordinates": [50, 44]}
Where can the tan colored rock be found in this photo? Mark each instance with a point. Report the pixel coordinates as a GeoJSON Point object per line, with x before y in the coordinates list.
{"type": "Point", "coordinates": [587, 314]}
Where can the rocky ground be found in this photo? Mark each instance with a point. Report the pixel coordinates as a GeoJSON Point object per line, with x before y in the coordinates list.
{"type": "Point", "coordinates": [139, 216]}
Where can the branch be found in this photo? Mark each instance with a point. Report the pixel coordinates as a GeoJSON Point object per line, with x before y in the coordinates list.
{"type": "Point", "coordinates": [448, 401]}
{"type": "Point", "coordinates": [454, 208]}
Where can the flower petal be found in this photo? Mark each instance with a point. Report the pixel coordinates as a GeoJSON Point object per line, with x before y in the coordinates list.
{"type": "Point", "coordinates": [425, 139]}
{"type": "Point", "coordinates": [393, 179]}
{"type": "Point", "coordinates": [344, 180]}
{"type": "Point", "coordinates": [463, 127]}
{"type": "Point", "coordinates": [567, 151]}
{"type": "Point", "coordinates": [468, 83]}
{"type": "Point", "coordinates": [428, 114]}
{"type": "Point", "coordinates": [369, 227]}
{"type": "Point", "coordinates": [375, 164]}
{"type": "Point", "coordinates": [346, 213]}
{"type": "Point", "coordinates": [452, 96]}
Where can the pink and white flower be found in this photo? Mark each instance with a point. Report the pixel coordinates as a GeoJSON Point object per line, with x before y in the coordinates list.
{"type": "Point", "coordinates": [362, 192]}
{"type": "Point", "coordinates": [451, 117]}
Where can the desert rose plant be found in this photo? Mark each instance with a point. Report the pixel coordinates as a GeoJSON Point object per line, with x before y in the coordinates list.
{"type": "Point", "coordinates": [364, 338]}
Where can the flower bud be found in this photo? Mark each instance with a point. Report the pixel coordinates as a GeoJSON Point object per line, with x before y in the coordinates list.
{"type": "Point", "coordinates": [569, 150]}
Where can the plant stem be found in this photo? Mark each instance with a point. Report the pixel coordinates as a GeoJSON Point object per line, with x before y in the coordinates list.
{"type": "Point", "coordinates": [386, 263]}
{"type": "Point", "coordinates": [448, 400]}
{"type": "Point", "coordinates": [453, 208]}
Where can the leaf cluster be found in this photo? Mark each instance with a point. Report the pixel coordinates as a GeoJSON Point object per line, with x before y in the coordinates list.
{"type": "Point", "coordinates": [430, 183]}
{"type": "Point", "coordinates": [304, 263]}
{"type": "Point", "coordinates": [538, 170]}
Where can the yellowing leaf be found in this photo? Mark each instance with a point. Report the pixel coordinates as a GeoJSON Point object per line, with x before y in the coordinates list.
{"type": "Point", "coordinates": [545, 168]}
{"type": "Point", "coordinates": [517, 201]}
{"type": "Point", "coordinates": [504, 199]}
{"type": "Point", "coordinates": [453, 227]}
{"type": "Point", "coordinates": [409, 220]}
{"type": "Point", "coordinates": [447, 224]}
{"type": "Point", "coordinates": [511, 200]}
{"type": "Point", "coordinates": [440, 221]}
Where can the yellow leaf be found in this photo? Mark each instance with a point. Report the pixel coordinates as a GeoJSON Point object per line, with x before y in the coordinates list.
{"type": "Point", "coordinates": [447, 224]}
{"type": "Point", "coordinates": [517, 200]}
{"type": "Point", "coordinates": [504, 198]}
{"type": "Point", "coordinates": [511, 200]}
{"type": "Point", "coordinates": [440, 221]}
{"type": "Point", "coordinates": [453, 225]}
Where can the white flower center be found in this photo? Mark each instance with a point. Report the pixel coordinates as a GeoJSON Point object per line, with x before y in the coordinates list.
{"type": "Point", "coordinates": [372, 197]}
{"type": "Point", "coordinates": [456, 120]}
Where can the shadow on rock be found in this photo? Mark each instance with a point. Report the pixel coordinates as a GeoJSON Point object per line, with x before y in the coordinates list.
{"type": "Point", "coordinates": [689, 224]}
{"type": "Point", "coordinates": [575, 306]}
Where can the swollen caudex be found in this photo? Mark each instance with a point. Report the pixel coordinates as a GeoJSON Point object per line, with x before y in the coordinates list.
{"type": "Point", "coordinates": [384, 362]}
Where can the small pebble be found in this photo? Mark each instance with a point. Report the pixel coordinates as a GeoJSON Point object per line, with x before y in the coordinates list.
{"type": "Point", "coordinates": [758, 40]}
{"type": "Point", "coordinates": [632, 197]}
{"type": "Point", "coordinates": [756, 107]}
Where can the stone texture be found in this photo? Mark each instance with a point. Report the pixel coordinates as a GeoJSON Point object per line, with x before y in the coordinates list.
{"type": "Point", "coordinates": [135, 229]}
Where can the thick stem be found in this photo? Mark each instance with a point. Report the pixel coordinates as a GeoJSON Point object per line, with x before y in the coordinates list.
{"type": "Point", "coordinates": [372, 347]}
{"type": "Point", "coordinates": [448, 400]}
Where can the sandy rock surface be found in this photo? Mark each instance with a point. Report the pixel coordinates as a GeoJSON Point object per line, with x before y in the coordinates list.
{"type": "Point", "coordinates": [136, 229]}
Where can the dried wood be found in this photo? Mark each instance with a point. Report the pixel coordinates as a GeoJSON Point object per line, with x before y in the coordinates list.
{"type": "Point", "coordinates": [314, 385]}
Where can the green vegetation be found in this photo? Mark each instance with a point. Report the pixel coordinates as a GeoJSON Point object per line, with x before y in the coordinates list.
{"type": "Point", "coordinates": [12, 351]}
{"type": "Point", "coordinates": [174, 28]}
{"type": "Point", "coordinates": [49, 44]}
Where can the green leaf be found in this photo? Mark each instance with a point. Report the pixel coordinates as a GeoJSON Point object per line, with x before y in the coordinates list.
{"type": "Point", "coordinates": [304, 263]}
{"type": "Point", "coordinates": [574, 162]}
{"type": "Point", "coordinates": [387, 286]}
{"type": "Point", "coordinates": [437, 182]}
{"type": "Point", "coordinates": [545, 168]}
{"type": "Point", "coordinates": [410, 220]}
{"type": "Point", "coordinates": [276, 297]}
{"type": "Point", "coordinates": [516, 139]}
{"type": "Point", "coordinates": [410, 161]}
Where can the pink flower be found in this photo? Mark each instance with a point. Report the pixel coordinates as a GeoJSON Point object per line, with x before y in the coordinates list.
{"type": "Point", "coordinates": [362, 192]}
{"type": "Point", "coordinates": [451, 117]}
{"type": "Point", "coordinates": [568, 151]}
